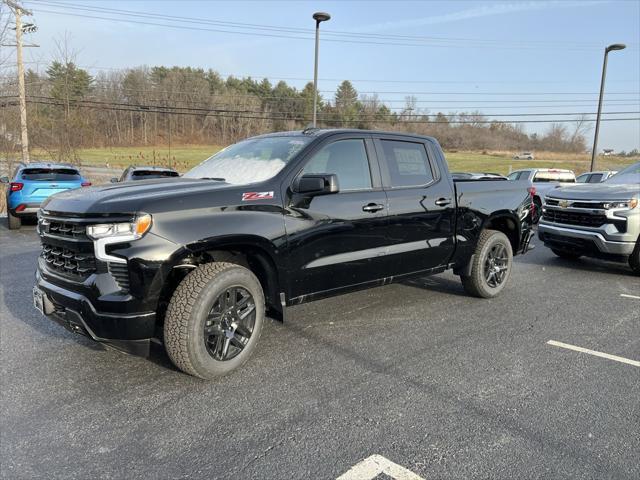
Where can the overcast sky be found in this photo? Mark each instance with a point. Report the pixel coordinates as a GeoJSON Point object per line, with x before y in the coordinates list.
{"type": "Point", "coordinates": [547, 55]}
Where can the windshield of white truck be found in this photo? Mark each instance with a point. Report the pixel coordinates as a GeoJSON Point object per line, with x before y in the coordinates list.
{"type": "Point", "coordinates": [250, 161]}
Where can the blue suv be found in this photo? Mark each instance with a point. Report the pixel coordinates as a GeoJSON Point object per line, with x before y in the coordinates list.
{"type": "Point", "coordinates": [32, 183]}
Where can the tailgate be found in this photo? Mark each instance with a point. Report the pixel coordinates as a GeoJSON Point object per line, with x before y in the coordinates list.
{"type": "Point", "coordinates": [46, 189]}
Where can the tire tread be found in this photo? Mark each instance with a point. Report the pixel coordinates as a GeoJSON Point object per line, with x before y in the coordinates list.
{"type": "Point", "coordinates": [176, 326]}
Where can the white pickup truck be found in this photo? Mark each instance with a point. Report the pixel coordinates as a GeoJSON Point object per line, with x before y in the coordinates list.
{"type": "Point", "coordinates": [542, 180]}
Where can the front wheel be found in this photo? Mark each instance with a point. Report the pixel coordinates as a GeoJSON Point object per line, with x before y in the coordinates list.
{"type": "Point", "coordinates": [491, 265]}
{"type": "Point", "coordinates": [214, 320]}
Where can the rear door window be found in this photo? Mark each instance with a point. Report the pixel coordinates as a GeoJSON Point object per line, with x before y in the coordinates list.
{"type": "Point", "coordinates": [51, 174]}
{"type": "Point", "coordinates": [515, 176]}
{"type": "Point", "coordinates": [407, 162]}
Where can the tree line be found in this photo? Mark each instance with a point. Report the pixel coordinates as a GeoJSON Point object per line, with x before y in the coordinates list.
{"type": "Point", "coordinates": [70, 109]}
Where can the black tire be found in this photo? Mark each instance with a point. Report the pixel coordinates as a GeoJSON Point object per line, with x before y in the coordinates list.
{"type": "Point", "coordinates": [566, 254]}
{"type": "Point", "coordinates": [634, 258]}
{"type": "Point", "coordinates": [481, 282]}
{"type": "Point", "coordinates": [191, 310]}
{"type": "Point", "coordinates": [13, 222]}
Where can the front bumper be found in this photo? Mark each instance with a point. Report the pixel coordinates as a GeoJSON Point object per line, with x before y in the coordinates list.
{"type": "Point", "coordinates": [128, 332]}
{"type": "Point", "coordinates": [557, 236]}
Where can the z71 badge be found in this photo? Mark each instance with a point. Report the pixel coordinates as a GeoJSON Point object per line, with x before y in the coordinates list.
{"type": "Point", "coordinates": [256, 196]}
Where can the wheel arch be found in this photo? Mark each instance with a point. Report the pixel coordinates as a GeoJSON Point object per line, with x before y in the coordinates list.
{"type": "Point", "coordinates": [254, 253]}
{"type": "Point", "coordinates": [507, 223]}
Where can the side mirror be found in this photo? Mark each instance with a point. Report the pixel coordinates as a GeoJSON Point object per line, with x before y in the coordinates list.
{"type": "Point", "coordinates": [316, 184]}
{"type": "Point", "coordinates": [4, 179]}
{"type": "Point", "coordinates": [114, 180]}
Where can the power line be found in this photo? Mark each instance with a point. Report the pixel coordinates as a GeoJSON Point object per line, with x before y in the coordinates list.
{"type": "Point", "coordinates": [329, 121]}
{"type": "Point", "coordinates": [476, 44]}
{"type": "Point", "coordinates": [359, 80]}
{"type": "Point", "coordinates": [339, 35]}
{"type": "Point", "coordinates": [167, 109]}
{"type": "Point", "coordinates": [152, 89]}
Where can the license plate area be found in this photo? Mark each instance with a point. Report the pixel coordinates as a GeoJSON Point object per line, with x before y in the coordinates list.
{"type": "Point", "coordinates": [41, 302]}
{"type": "Point", "coordinates": [38, 300]}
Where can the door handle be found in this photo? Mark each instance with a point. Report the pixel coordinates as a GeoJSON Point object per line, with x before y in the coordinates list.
{"type": "Point", "coordinates": [372, 207]}
{"type": "Point", "coordinates": [441, 202]}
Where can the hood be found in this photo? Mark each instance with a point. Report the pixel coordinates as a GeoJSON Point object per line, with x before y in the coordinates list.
{"type": "Point", "coordinates": [595, 191]}
{"type": "Point", "coordinates": [142, 196]}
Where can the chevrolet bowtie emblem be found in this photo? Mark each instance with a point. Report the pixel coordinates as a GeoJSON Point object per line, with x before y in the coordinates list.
{"type": "Point", "coordinates": [564, 203]}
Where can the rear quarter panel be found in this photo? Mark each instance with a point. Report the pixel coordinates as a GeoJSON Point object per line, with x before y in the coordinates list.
{"type": "Point", "coordinates": [480, 202]}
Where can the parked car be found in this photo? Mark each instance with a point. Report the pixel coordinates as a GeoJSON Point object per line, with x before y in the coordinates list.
{"type": "Point", "coordinates": [477, 176]}
{"type": "Point", "coordinates": [595, 177]}
{"type": "Point", "coordinates": [542, 180]}
{"type": "Point", "coordinates": [595, 220]}
{"type": "Point", "coordinates": [32, 183]}
{"type": "Point", "coordinates": [133, 173]}
{"type": "Point", "coordinates": [270, 222]}
{"type": "Point", "coordinates": [524, 156]}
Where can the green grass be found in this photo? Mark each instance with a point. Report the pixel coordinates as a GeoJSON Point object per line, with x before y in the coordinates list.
{"type": "Point", "coordinates": [183, 157]}
{"type": "Point", "coordinates": [504, 163]}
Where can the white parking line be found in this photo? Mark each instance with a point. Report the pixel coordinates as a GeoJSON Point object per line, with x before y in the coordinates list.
{"type": "Point", "coordinates": [635, 363]}
{"type": "Point", "coordinates": [371, 467]}
{"type": "Point", "coordinates": [630, 296]}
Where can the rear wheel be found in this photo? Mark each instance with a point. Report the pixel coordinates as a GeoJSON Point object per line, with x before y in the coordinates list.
{"type": "Point", "coordinates": [537, 210]}
{"type": "Point", "coordinates": [491, 265]}
{"type": "Point", "coordinates": [13, 222]}
{"type": "Point", "coordinates": [634, 258]}
{"type": "Point", "coordinates": [566, 254]}
{"type": "Point", "coordinates": [214, 320]}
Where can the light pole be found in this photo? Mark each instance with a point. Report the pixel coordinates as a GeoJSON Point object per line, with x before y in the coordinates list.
{"type": "Point", "coordinates": [594, 153]}
{"type": "Point", "coordinates": [319, 17]}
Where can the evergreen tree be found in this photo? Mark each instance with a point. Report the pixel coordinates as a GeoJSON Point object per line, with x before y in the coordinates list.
{"type": "Point", "coordinates": [68, 82]}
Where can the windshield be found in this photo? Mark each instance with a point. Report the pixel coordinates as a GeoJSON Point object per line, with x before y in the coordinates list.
{"type": "Point", "coordinates": [631, 175]}
{"type": "Point", "coordinates": [250, 161]}
{"type": "Point", "coordinates": [50, 174]}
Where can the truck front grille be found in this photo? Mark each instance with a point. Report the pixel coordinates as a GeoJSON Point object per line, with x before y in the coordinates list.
{"type": "Point", "coordinates": [568, 217]}
{"type": "Point", "coordinates": [68, 262]}
{"type": "Point", "coordinates": [66, 229]}
{"type": "Point", "coordinates": [66, 249]}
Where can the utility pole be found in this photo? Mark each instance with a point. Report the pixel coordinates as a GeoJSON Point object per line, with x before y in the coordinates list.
{"type": "Point", "coordinates": [19, 11]}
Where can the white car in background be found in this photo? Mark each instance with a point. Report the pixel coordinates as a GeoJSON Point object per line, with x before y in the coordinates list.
{"type": "Point", "coordinates": [542, 180]}
{"type": "Point", "coordinates": [524, 156]}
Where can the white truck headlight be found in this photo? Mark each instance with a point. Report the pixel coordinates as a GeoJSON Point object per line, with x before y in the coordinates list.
{"type": "Point", "coordinates": [130, 230]}
{"type": "Point", "coordinates": [626, 205]}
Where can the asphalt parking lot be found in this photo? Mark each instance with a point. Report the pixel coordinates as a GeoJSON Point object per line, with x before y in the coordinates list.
{"type": "Point", "coordinates": [443, 385]}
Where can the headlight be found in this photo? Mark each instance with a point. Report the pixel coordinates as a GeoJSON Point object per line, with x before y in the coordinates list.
{"type": "Point", "coordinates": [131, 230]}
{"type": "Point", "coordinates": [627, 205]}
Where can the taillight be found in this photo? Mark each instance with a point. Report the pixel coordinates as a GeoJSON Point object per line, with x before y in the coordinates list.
{"type": "Point", "coordinates": [532, 190]}
{"type": "Point", "coordinates": [20, 207]}
{"type": "Point", "coordinates": [85, 184]}
{"type": "Point", "coordinates": [15, 186]}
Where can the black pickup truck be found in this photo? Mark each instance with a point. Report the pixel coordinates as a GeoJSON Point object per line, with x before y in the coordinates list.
{"type": "Point", "coordinates": [273, 221]}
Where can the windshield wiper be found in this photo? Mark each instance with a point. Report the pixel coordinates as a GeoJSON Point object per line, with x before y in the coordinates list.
{"type": "Point", "coordinates": [217, 179]}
